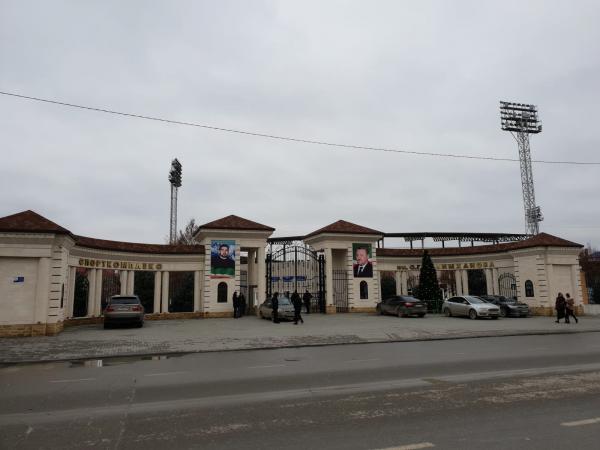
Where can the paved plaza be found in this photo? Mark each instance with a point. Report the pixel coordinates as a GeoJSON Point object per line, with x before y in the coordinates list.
{"type": "Point", "coordinates": [205, 335]}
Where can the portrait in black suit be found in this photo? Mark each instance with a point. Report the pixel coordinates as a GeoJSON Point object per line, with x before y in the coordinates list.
{"type": "Point", "coordinates": [363, 267]}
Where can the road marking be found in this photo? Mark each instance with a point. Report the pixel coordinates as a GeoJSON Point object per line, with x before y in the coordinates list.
{"type": "Point", "coordinates": [165, 373]}
{"type": "Point", "coordinates": [361, 360]}
{"type": "Point", "coordinates": [411, 446]}
{"type": "Point", "coordinates": [71, 381]}
{"type": "Point", "coordinates": [578, 423]}
{"type": "Point", "coordinates": [266, 367]}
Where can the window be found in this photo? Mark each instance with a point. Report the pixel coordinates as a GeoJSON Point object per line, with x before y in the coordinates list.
{"type": "Point", "coordinates": [222, 292]}
{"type": "Point", "coordinates": [528, 289]}
{"type": "Point", "coordinates": [364, 290]}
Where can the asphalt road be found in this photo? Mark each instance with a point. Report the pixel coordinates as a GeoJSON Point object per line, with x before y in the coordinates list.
{"type": "Point", "coordinates": [524, 392]}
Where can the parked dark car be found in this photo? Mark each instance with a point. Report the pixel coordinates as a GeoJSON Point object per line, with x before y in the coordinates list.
{"type": "Point", "coordinates": [402, 305]}
{"type": "Point", "coordinates": [124, 309]}
{"type": "Point", "coordinates": [509, 307]}
{"type": "Point", "coordinates": [285, 309]}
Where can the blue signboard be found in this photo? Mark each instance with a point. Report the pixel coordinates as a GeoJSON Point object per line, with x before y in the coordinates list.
{"type": "Point", "coordinates": [300, 278]}
{"type": "Point", "coordinates": [19, 279]}
{"type": "Point", "coordinates": [288, 279]}
{"type": "Point", "coordinates": [274, 278]}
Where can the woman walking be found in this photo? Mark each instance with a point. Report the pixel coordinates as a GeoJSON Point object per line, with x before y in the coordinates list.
{"type": "Point", "coordinates": [570, 309]}
{"type": "Point", "coordinates": [559, 305]}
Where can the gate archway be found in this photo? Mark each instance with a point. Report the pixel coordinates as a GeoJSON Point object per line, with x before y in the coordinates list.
{"type": "Point", "coordinates": [297, 267]}
{"type": "Point", "coordinates": [508, 285]}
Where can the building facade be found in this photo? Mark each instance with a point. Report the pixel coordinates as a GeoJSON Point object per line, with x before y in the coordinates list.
{"type": "Point", "coordinates": [51, 278]}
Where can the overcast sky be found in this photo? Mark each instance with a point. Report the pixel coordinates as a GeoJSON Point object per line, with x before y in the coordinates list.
{"type": "Point", "coordinates": [423, 76]}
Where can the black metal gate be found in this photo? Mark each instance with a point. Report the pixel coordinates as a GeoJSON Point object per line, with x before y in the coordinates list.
{"type": "Point", "coordinates": [508, 285]}
{"type": "Point", "coordinates": [340, 290]}
{"type": "Point", "coordinates": [297, 268]}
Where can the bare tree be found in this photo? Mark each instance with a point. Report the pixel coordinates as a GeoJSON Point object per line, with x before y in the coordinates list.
{"type": "Point", "coordinates": [186, 236]}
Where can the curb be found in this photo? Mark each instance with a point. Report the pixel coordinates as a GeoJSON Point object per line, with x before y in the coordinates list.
{"type": "Point", "coordinates": [5, 363]}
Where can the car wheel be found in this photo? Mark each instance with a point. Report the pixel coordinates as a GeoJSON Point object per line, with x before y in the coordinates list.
{"type": "Point", "coordinates": [140, 324]}
{"type": "Point", "coordinates": [379, 310]}
{"type": "Point", "coordinates": [472, 314]}
{"type": "Point", "coordinates": [494, 317]}
{"type": "Point", "coordinates": [106, 325]}
{"type": "Point", "coordinates": [447, 312]}
{"type": "Point", "coordinates": [503, 312]}
{"type": "Point", "coordinates": [421, 315]}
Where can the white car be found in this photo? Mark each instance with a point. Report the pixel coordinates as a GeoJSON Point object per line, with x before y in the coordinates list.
{"type": "Point", "coordinates": [470, 306]}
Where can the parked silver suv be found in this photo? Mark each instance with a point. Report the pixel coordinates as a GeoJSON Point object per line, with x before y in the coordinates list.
{"type": "Point", "coordinates": [123, 309]}
{"type": "Point", "coordinates": [471, 306]}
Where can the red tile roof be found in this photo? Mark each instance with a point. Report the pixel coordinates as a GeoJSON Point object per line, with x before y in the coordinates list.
{"type": "Point", "coordinates": [539, 240]}
{"type": "Point", "coordinates": [30, 221]}
{"type": "Point", "coordinates": [235, 223]}
{"type": "Point", "coordinates": [344, 227]}
{"type": "Point", "coordinates": [103, 244]}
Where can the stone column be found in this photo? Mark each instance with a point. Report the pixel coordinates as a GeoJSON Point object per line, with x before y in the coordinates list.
{"type": "Point", "coordinates": [157, 291]}
{"type": "Point", "coordinates": [261, 274]}
{"type": "Point", "coordinates": [488, 282]}
{"type": "Point", "coordinates": [458, 280]}
{"type": "Point", "coordinates": [71, 292]}
{"type": "Point", "coordinates": [196, 290]}
{"type": "Point", "coordinates": [398, 277]}
{"type": "Point", "coordinates": [495, 282]}
{"type": "Point", "coordinates": [465, 281]}
{"type": "Point", "coordinates": [123, 276]}
{"type": "Point", "coordinates": [130, 282]}
{"type": "Point", "coordinates": [40, 313]}
{"type": "Point", "coordinates": [404, 275]}
{"type": "Point", "coordinates": [330, 307]}
{"type": "Point", "coordinates": [165, 292]}
{"type": "Point", "coordinates": [91, 292]}
{"type": "Point", "coordinates": [98, 294]}
{"type": "Point", "coordinates": [576, 294]}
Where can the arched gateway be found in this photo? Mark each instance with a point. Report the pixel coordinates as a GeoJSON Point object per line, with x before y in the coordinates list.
{"type": "Point", "coordinates": [51, 278]}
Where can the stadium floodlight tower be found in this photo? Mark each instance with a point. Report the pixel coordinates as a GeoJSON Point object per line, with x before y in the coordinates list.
{"type": "Point", "coordinates": [522, 120]}
{"type": "Point", "coordinates": [175, 180]}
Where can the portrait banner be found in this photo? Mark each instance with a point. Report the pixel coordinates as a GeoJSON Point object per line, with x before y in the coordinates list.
{"type": "Point", "coordinates": [362, 266]}
{"type": "Point", "coordinates": [222, 259]}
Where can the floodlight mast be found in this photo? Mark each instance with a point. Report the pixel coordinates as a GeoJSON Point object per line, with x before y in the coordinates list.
{"type": "Point", "coordinates": [522, 120]}
{"type": "Point", "coordinates": [175, 180]}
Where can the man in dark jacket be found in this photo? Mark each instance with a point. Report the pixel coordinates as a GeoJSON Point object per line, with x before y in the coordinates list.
{"type": "Point", "coordinates": [242, 300]}
{"type": "Point", "coordinates": [236, 305]}
{"type": "Point", "coordinates": [297, 307]}
{"type": "Point", "coordinates": [275, 306]}
{"type": "Point", "coordinates": [306, 299]}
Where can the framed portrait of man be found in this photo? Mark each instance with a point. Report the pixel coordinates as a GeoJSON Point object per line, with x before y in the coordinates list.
{"type": "Point", "coordinates": [222, 259]}
{"type": "Point", "coordinates": [362, 266]}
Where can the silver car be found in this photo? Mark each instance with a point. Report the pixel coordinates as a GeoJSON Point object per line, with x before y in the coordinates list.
{"type": "Point", "coordinates": [122, 309]}
{"type": "Point", "coordinates": [470, 306]}
{"type": "Point", "coordinates": [285, 310]}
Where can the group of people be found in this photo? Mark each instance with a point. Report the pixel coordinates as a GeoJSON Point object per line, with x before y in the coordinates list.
{"type": "Point", "coordinates": [296, 302]}
{"type": "Point", "coordinates": [239, 305]}
{"type": "Point", "coordinates": [565, 308]}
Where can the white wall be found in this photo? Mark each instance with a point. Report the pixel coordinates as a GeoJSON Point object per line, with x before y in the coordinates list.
{"type": "Point", "coordinates": [17, 300]}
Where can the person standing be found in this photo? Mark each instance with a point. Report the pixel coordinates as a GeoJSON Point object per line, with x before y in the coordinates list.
{"type": "Point", "coordinates": [297, 302]}
{"type": "Point", "coordinates": [559, 305]}
{"type": "Point", "coordinates": [306, 299]}
{"type": "Point", "coordinates": [236, 305]}
{"type": "Point", "coordinates": [275, 306]}
{"type": "Point", "coordinates": [242, 304]}
{"type": "Point", "coordinates": [570, 309]}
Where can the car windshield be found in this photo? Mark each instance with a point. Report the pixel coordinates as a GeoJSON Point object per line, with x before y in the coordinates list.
{"type": "Point", "coordinates": [474, 300]}
{"type": "Point", "coordinates": [124, 301]}
{"type": "Point", "coordinates": [409, 299]}
{"type": "Point", "coordinates": [284, 301]}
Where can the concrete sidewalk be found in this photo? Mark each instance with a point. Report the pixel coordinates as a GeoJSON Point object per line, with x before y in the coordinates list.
{"type": "Point", "coordinates": [204, 335]}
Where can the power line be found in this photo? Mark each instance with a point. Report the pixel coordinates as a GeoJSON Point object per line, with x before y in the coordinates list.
{"type": "Point", "coordinates": [292, 139]}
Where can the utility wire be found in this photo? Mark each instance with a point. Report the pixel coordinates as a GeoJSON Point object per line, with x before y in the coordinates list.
{"type": "Point", "coordinates": [292, 139]}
